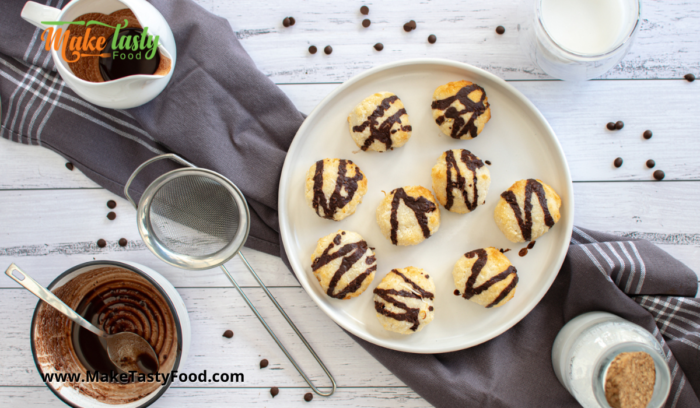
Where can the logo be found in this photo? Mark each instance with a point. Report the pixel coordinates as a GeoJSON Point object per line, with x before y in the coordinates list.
{"type": "Point", "coordinates": [75, 47]}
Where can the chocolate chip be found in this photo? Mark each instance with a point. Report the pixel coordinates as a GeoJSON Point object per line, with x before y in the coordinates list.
{"type": "Point", "coordinates": [430, 308]}
{"type": "Point", "coordinates": [101, 243]}
{"type": "Point", "coordinates": [456, 292]}
{"type": "Point", "coordinates": [274, 391]}
{"type": "Point", "coordinates": [328, 50]}
{"type": "Point", "coordinates": [111, 204]}
{"type": "Point", "coordinates": [618, 162]}
{"type": "Point", "coordinates": [313, 49]}
{"type": "Point", "coordinates": [228, 334]}
{"type": "Point", "coordinates": [432, 38]}
{"type": "Point", "coordinates": [123, 242]}
{"type": "Point", "coordinates": [264, 363]}
{"type": "Point", "coordinates": [366, 23]}
{"type": "Point", "coordinates": [659, 175]}
{"type": "Point", "coordinates": [619, 125]}
{"type": "Point", "coordinates": [292, 21]}
{"type": "Point", "coordinates": [610, 125]}
{"type": "Point", "coordinates": [651, 163]}
{"type": "Point", "coordinates": [69, 166]}
{"type": "Point", "coordinates": [523, 252]}
{"type": "Point", "coordinates": [286, 22]}
{"type": "Point", "coordinates": [406, 27]}
{"type": "Point", "coordinates": [647, 134]}
{"type": "Point", "coordinates": [378, 46]}
{"type": "Point", "coordinates": [689, 77]}
{"type": "Point", "coordinates": [364, 10]}
{"type": "Point", "coordinates": [500, 29]}
{"type": "Point", "coordinates": [411, 25]}
{"type": "Point", "coordinates": [487, 162]}
{"type": "Point", "coordinates": [308, 396]}
{"type": "Point", "coordinates": [111, 216]}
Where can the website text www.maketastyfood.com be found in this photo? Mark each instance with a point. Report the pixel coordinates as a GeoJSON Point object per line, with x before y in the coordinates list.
{"type": "Point", "coordinates": [134, 376]}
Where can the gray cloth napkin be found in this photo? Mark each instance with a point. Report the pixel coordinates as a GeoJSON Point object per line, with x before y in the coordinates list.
{"type": "Point", "coordinates": [221, 113]}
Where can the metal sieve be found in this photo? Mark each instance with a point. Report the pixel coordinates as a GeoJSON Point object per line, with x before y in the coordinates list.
{"type": "Point", "coordinates": [195, 219]}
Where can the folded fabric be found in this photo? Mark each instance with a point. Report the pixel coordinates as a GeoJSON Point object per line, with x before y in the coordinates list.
{"type": "Point", "coordinates": [221, 113]}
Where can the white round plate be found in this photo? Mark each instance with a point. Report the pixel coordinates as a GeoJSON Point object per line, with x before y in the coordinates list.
{"type": "Point", "coordinates": [518, 142]}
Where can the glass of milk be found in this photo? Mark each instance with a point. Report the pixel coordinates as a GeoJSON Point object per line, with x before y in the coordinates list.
{"type": "Point", "coordinates": [585, 347]}
{"type": "Point", "coordinates": [579, 39]}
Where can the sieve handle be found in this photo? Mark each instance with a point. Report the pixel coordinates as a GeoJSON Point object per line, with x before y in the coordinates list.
{"type": "Point", "coordinates": [171, 156]}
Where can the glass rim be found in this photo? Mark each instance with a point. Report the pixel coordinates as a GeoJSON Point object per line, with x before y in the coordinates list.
{"type": "Point", "coordinates": [627, 37]}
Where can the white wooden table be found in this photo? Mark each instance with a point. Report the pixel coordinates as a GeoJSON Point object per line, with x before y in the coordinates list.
{"type": "Point", "coordinates": [50, 217]}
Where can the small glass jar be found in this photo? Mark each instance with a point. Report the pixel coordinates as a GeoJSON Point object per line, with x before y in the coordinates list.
{"type": "Point", "coordinates": [585, 347]}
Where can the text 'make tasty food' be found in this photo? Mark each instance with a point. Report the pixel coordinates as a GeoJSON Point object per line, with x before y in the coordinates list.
{"type": "Point", "coordinates": [403, 300]}
{"type": "Point", "coordinates": [343, 264]}
{"type": "Point", "coordinates": [334, 188]}
{"type": "Point", "coordinates": [380, 123]}
{"type": "Point", "coordinates": [461, 109]}
{"type": "Point", "coordinates": [485, 276]}
{"type": "Point", "coordinates": [460, 181]}
{"type": "Point", "coordinates": [408, 215]}
{"type": "Point", "coordinates": [527, 210]}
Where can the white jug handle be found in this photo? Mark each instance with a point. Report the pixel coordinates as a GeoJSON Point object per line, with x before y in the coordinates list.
{"type": "Point", "coordinates": [35, 13]}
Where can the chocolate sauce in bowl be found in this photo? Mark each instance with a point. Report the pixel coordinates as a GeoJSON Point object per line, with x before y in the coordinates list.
{"type": "Point", "coordinates": [460, 127]}
{"type": "Point", "coordinates": [382, 132]}
{"type": "Point", "coordinates": [127, 62]}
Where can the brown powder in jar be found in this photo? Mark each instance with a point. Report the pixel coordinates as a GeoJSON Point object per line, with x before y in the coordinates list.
{"type": "Point", "coordinates": [630, 379]}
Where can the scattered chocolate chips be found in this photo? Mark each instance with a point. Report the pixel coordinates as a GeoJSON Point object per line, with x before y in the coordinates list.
{"type": "Point", "coordinates": [111, 204]}
{"type": "Point", "coordinates": [101, 243]}
{"type": "Point", "coordinates": [659, 175]}
{"type": "Point", "coordinates": [531, 244]}
{"type": "Point", "coordinates": [308, 396]}
{"type": "Point", "coordinates": [364, 10]}
{"type": "Point", "coordinates": [328, 50]}
{"type": "Point", "coordinates": [123, 242]}
{"type": "Point", "coordinates": [378, 46]}
{"type": "Point", "coordinates": [500, 29]}
{"type": "Point", "coordinates": [286, 22]}
{"type": "Point", "coordinates": [432, 38]}
{"type": "Point", "coordinates": [523, 252]}
{"type": "Point", "coordinates": [410, 26]}
{"type": "Point", "coordinates": [274, 391]}
{"type": "Point", "coordinates": [610, 126]}
{"type": "Point", "coordinates": [487, 162]}
{"type": "Point", "coordinates": [292, 21]}
{"type": "Point", "coordinates": [647, 134]}
{"type": "Point", "coordinates": [111, 216]}
{"type": "Point", "coordinates": [618, 162]}
{"type": "Point", "coordinates": [619, 125]}
{"type": "Point", "coordinates": [651, 163]}
{"type": "Point", "coordinates": [69, 166]}
{"type": "Point", "coordinates": [228, 334]}
{"type": "Point", "coordinates": [264, 363]}
{"type": "Point", "coordinates": [313, 49]}
{"type": "Point", "coordinates": [366, 23]}
{"type": "Point", "coordinates": [456, 292]}
{"type": "Point", "coordinates": [430, 308]}
{"type": "Point", "coordinates": [689, 77]}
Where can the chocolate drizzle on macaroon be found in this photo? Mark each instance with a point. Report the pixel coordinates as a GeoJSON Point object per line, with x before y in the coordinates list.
{"type": "Point", "coordinates": [473, 163]}
{"type": "Point", "coordinates": [525, 221]}
{"type": "Point", "coordinates": [382, 132]}
{"type": "Point", "coordinates": [343, 182]}
{"type": "Point", "coordinates": [410, 315]}
{"type": "Point", "coordinates": [351, 254]}
{"type": "Point", "coordinates": [478, 265]}
{"type": "Point", "coordinates": [420, 206]}
{"type": "Point", "coordinates": [460, 127]}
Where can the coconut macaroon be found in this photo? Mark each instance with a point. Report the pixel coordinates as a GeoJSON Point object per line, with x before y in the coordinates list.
{"type": "Point", "coordinates": [461, 109]}
{"type": "Point", "coordinates": [380, 123]}
{"type": "Point", "coordinates": [460, 181]}
{"type": "Point", "coordinates": [527, 210]}
{"type": "Point", "coordinates": [403, 300]}
{"type": "Point", "coordinates": [343, 264]}
{"type": "Point", "coordinates": [334, 188]}
{"type": "Point", "coordinates": [408, 215]}
{"type": "Point", "coordinates": [485, 276]}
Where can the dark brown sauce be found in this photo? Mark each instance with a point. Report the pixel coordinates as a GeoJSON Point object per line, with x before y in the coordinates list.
{"type": "Point", "coordinates": [473, 163]}
{"type": "Point", "coordinates": [470, 290]}
{"type": "Point", "coordinates": [522, 252]}
{"type": "Point", "coordinates": [382, 132]}
{"type": "Point", "coordinates": [132, 63]}
{"type": "Point", "coordinates": [460, 127]}
{"type": "Point", "coordinates": [343, 182]}
{"type": "Point", "coordinates": [410, 315]}
{"type": "Point", "coordinates": [115, 311]}
{"type": "Point", "coordinates": [351, 253]}
{"type": "Point", "coordinates": [525, 222]}
{"type": "Point", "coordinates": [420, 206]}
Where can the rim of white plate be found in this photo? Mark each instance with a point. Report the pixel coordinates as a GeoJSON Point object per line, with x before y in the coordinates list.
{"type": "Point", "coordinates": [549, 135]}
